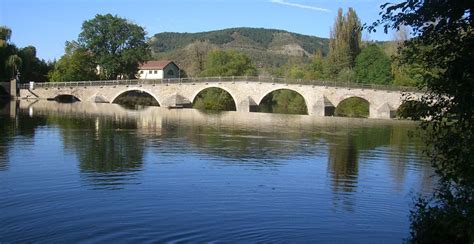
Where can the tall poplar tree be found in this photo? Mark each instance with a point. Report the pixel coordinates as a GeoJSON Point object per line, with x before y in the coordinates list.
{"type": "Point", "coordinates": [345, 41]}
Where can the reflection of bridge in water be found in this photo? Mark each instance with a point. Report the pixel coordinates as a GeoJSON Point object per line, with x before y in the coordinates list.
{"type": "Point", "coordinates": [347, 143]}
{"type": "Point", "coordinates": [320, 97]}
{"type": "Point", "coordinates": [154, 117]}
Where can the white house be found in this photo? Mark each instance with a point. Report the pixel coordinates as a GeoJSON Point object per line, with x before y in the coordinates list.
{"type": "Point", "coordinates": [158, 69]}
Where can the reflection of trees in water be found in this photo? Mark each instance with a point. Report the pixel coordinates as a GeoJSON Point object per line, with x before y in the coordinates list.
{"type": "Point", "coordinates": [11, 129]}
{"type": "Point", "coordinates": [346, 147]}
{"type": "Point", "coordinates": [343, 166]}
{"type": "Point", "coordinates": [7, 127]}
{"type": "Point", "coordinates": [109, 151]}
{"type": "Point", "coordinates": [343, 163]}
{"type": "Point", "coordinates": [399, 160]}
{"type": "Point", "coordinates": [236, 143]}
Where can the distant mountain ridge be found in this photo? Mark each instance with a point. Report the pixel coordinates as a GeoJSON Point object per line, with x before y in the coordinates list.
{"type": "Point", "coordinates": [268, 48]}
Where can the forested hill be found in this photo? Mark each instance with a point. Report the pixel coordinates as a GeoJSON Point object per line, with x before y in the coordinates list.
{"type": "Point", "coordinates": [268, 48]}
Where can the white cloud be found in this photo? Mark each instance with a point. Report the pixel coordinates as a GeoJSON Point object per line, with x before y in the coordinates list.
{"type": "Point", "coordinates": [297, 5]}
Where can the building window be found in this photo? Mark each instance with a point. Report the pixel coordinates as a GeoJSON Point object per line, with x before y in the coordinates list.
{"type": "Point", "coordinates": [170, 72]}
{"type": "Point", "coordinates": [156, 71]}
{"type": "Point", "coordinates": [149, 72]}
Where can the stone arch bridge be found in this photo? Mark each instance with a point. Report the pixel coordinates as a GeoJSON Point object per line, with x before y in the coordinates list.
{"type": "Point", "coordinates": [320, 97]}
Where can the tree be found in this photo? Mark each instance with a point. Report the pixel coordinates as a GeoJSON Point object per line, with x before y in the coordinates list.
{"type": "Point", "coordinates": [14, 63]}
{"type": "Point", "coordinates": [117, 45]}
{"type": "Point", "coordinates": [317, 67]}
{"type": "Point", "coordinates": [346, 75]}
{"type": "Point", "coordinates": [403, 74]}
{"type": "Point", "coordinates": [296, 72]}
{"type": "Point", "coordinates": [5, 51]}
{"type": "Point", "coordinates": [406, 75]}
{"type": "Point", "coordinates": [443, 46]}
{"type": "Point", "coordinates": [75, 65]}
{"type": "Point", "coordinates": [33, 69]}
{"type": "Point", "coordinates": [373, 66]}
{"type": "Point", "coordinates": [5, 34]}
{"type": "Point", "coordinates": [344, 42]}
{"type": "Point", "coordinates": [22, 62]}
{"type": "Point", "coordinates": [228, 63]}
{"type": "Point", "coordinates": [199, 51]}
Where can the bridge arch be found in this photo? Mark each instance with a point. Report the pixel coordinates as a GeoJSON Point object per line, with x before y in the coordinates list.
{"type": "Point", "coordinates": [66, 98]}
{"type": "Point", "coordinates": [234, 99]}
{"type": "Point", "coordinates": [3, 91]}
{"type": "Point", "coordinates": [361, 95]}
{"type": "Point", "coordinates": [259, 99]}
{"type": "Point", "coordinates": [265, 95]}
{"type": "Point", "coordinates": [194, 95]}
{"type": "Point", "coordinates": [353, 106]}
{"type": "Point", "coordinates": [118, 94]}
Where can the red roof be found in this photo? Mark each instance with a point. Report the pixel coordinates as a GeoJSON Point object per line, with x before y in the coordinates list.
{"type": "Point", "coordinates": [156, 64]}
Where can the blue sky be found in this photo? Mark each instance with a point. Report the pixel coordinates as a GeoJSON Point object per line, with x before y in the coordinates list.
{"type": "Point", "coordinates": [48, 24]}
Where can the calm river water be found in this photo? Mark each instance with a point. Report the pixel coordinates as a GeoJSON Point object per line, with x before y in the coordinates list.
{"type": "Point", "coordinates": [98, 172]}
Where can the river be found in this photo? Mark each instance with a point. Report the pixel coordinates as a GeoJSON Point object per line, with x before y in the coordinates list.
{"type": "Point", "coordinates": [100, 173]}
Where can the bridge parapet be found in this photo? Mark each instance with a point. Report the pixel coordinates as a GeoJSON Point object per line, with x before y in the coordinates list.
{"type": "Point", "coordinates": [262, 79]}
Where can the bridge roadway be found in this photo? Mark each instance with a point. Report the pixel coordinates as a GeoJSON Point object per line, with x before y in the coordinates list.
{"type": "Point", "coordinates": [320, 97]}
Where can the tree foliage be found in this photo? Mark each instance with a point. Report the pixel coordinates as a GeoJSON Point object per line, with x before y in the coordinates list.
{"type": "Point", "coordinates": [344, 42]}
{"type": "Point", "coordinates": [20, 63]}
{"type": "Point", "coordinates": [199, 51]}
{"type": "Point", "coordinates": [33, 69]}
{"type": "Point", "coordinates": [296, 72]}
{"type": "Point", "coordinates": [443, 47]}
{"type": "Point", "coordinates": [75, 65]}
{"type": "Point", "coordinates": [317, 68]}
{"type": "Point", "coordinates": [5, 34]}
{"type": "Point", "coordinates": [14, 63]}
{"type": "Point", "coordinates": [403, 74]}
{"type": "Point", "coordinates": [228, 63]}
{"type": "Point", "coordinates": [372, 65]}
{"type": "Point", "coordinates": [117, 45]}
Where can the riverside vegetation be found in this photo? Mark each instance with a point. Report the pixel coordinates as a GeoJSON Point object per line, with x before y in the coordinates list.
{"type": "Point", "coordinates": [443, 50]}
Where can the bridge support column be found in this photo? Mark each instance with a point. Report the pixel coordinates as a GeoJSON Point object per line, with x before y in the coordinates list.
{"type": "Point", "coordinates": [322, 107]}
{"type": "Point", "coordinates": [13, 105]}
{"type": "Point", "coordinates": [383, 111]}
{"type": "Point", "coordinates": [13, 89]}
{"type": "Point", "coordinates": [243, 105]}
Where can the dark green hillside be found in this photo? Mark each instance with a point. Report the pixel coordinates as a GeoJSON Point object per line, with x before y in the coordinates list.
{"type": "Point", "coordinates": [268, 48]}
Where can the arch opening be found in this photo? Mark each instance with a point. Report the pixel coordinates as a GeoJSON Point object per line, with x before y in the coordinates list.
{"type": "Point", "coordinates": [66, 98]}
{"type": "Point", "coordinates": [283, 101]}
{"type": "Point", "coordinates": [136, 99]}
{"type": "Point", "coordinates": [355, 107]}
{"type": "Point", "coordinates": [3, 92]}
{"type": "Point", "coordinates": [214, 99]}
